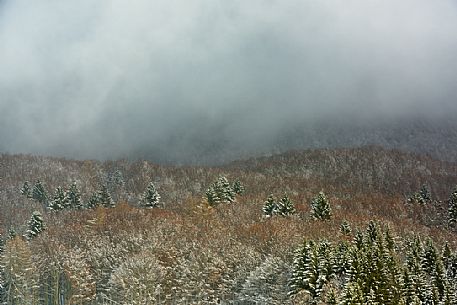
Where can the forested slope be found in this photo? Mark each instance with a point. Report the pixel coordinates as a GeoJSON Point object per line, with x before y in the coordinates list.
{"type": "Point", "coordinates": [187, 248]}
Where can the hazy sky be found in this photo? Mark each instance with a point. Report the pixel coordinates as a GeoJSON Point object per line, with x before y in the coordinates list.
{"type": "Point", "coordinates": [172, 79]}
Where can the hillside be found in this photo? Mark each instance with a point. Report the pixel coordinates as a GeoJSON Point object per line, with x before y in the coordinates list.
{"type": "Point", "coordinates": [187, 251]}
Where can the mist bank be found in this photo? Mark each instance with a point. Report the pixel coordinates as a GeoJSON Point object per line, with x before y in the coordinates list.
{"type": "Point", "coordinates": [211, 81]}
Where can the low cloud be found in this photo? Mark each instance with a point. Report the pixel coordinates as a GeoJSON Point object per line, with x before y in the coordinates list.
{"type": "Point", "coordinates": [184, 81]}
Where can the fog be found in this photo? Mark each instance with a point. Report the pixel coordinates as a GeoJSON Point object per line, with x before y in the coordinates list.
{"type": "Point", "coordinates": [196, 80]}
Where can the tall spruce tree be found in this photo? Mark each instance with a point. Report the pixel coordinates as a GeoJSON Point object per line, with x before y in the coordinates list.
{"type": "Point", "coordinates": [320, 207]}
{"type": "Point", "coordinates": [35, 225]}
{"type": "Point", "coordinates": [151, 197]}
{"type": "Point", "coordinates": [270, 206]}
{"type": "Point", "coordinates": [285, 206]}
{"type": "Point", "coordinates": [93, 202]}
{"type": "Point", "coordinates": [224, 190]}
{"type": "Point", "coordinates": [104, 197]}
{"type": "Point", "coordinates": [238, 187]}
{"type": "Point", "coordinates": [212, 196]}
{"type": "Point", "coordinates": [452, 210]}
{"type": "Point", "coordinates": [39, 193]}
{"type": "Point", "coordinates": [220, 191]}
{"type": "Point", "coordinates": [59, 201]}
{"type": "Point", "coordinates": [73, 196]}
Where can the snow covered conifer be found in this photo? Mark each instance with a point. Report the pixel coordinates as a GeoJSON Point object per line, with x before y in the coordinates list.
{"type": "Point", "coordinates": [39, 193]}
{"type": "Point", "coordinates": [35, 225]}
{"type": "Point", "coordinates": [220, 191]}
{"type": "Point", "coordinates": [452, 210]}
{"type": "Point", "coordinates": [320, 207]}
{"type": "Point", "coordinates": [105, 197]}
{"type": "Point", "coordinates": [345, 228]}
{"type": "Point", "coordinates": [270, 206]}
{"type": "Point", "coordinates": [238, 188]}
{"type": "Point", "coordinates": [224, 190]}
{"type": "Point", "coordinates": [59, 201]}
{"type": "Point", "coordinates": [73, 196]}
{"type": "Point", "coordinates": [285, 206]}
{"type": "Point", "coordinates": [93, 202]}
{"type": "Point", "coordinates": [425, 195]}
{"type": "Point", "coordinates": [211, 196]}
{"type": "Point", "coordinates": [151, 197]}
{"type": "Point", "coordinates": [2, 244]}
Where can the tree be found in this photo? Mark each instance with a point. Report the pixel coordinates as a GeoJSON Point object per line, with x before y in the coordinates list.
{"type": "Point", "coordinates": [224, 190]}
{"type": "Point", "coordinates": [220, 192]}
{"type": "Point", "coordinates": [312, 269]}
{"type": "Point", "coordinates": [423, 196]}
{"type": "Point", "coordinates": [151, 197]}
{"type": "Point", "coordinates": [345, 228]}
{"type": "Point", "coordinates": [21, 276]}
{"type": "Point", "coordinates": [73, 196]}
{"type": "Point", "coordinates": [39, 193]}
{"type": "Point", "coordinates": [265, 284]}
{"type": "Point", "coordinates": [104, 197]}
{"type": "Point", "coordinates": [270, 206]}
{"type": "Point", "coordinates": [238, 188]}
{"type": "Point", "coordinates": [59, 201]}
{"type": "Point", "coordinates": [212, 197]}
{"type": "Point", "coordinates": [93, 202]}
{"type": "Point", "coordinates": [452, 210]}
{"type": "Point", "coordinates": [285, 206]}
{"type": "Point", "coordinates": [26, 190]}
{"type": "Point", "coordinates": [35, 225]}
{"type": "Point", "coordinates": [320, 207]}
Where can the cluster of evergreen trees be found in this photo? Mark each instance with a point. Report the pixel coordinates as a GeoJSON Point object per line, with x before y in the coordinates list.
{"type": "Point", "coordinates": [221, 191]}
{"type": "Point", "coordinates": [320, 207]}
{"type": "Point", "coordinates": [282, 207]}
{"type": "Point", "coordinates": [375, 269]}
{"type": "Point", "coordinates": [424, 197]}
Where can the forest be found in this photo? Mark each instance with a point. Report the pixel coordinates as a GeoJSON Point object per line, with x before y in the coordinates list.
{"type": "Point", "coordinates": [325, 226]}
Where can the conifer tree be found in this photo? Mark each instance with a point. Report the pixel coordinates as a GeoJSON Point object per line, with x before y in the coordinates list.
{"type": "Point", "coordinates": [26, 190]}
{"type": "Point", "coordinates": [452, 210]}
{"type": "Point", "coordinates": [39, 193]}
{"type": "Point", "coordinates": [345, 228]}
{"type": "Point", "coordinates": [73, 196]}
{"type": "Point", "coordinates": [59, 201]}
{"type": "Point", "coordinates": [2, 244]}
{"type": "Point", "coordinates": [312, 269]}
{"type": "Point", "coordinates": [224, 190]}
{"type": "Point", "coordinates": [35, 225]}
{"type": "Point", "coordinates": [285, 206]}
{"type": "Point", "coordinates": [212, 197]}
{"type": "Point", "coordinates": [238, 188]}
{"type": "Point", "coordinates": [320, 207]}
{"type": "Point", "coordinates": [220, 192]}
{"type": "Point", "coordinates": [423, 196]}
{"type": "Point", "coordinates": [104, 197]}
{"type": "Point", "coordinates": [270, 206]}
{"type": "Point", "coordinates": [151, 197]}
{"type": "Point", "coordinates": [11, 233]}
{"type": "Point", "coordinates": [93, 202]}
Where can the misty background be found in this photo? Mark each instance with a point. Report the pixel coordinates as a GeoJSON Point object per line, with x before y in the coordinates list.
{"type": "Point", "coordinates": [213, 80]}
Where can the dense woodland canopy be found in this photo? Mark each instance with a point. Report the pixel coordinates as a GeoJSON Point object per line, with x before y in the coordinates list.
{"type": "Point", "coordinates": [342, 226]}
